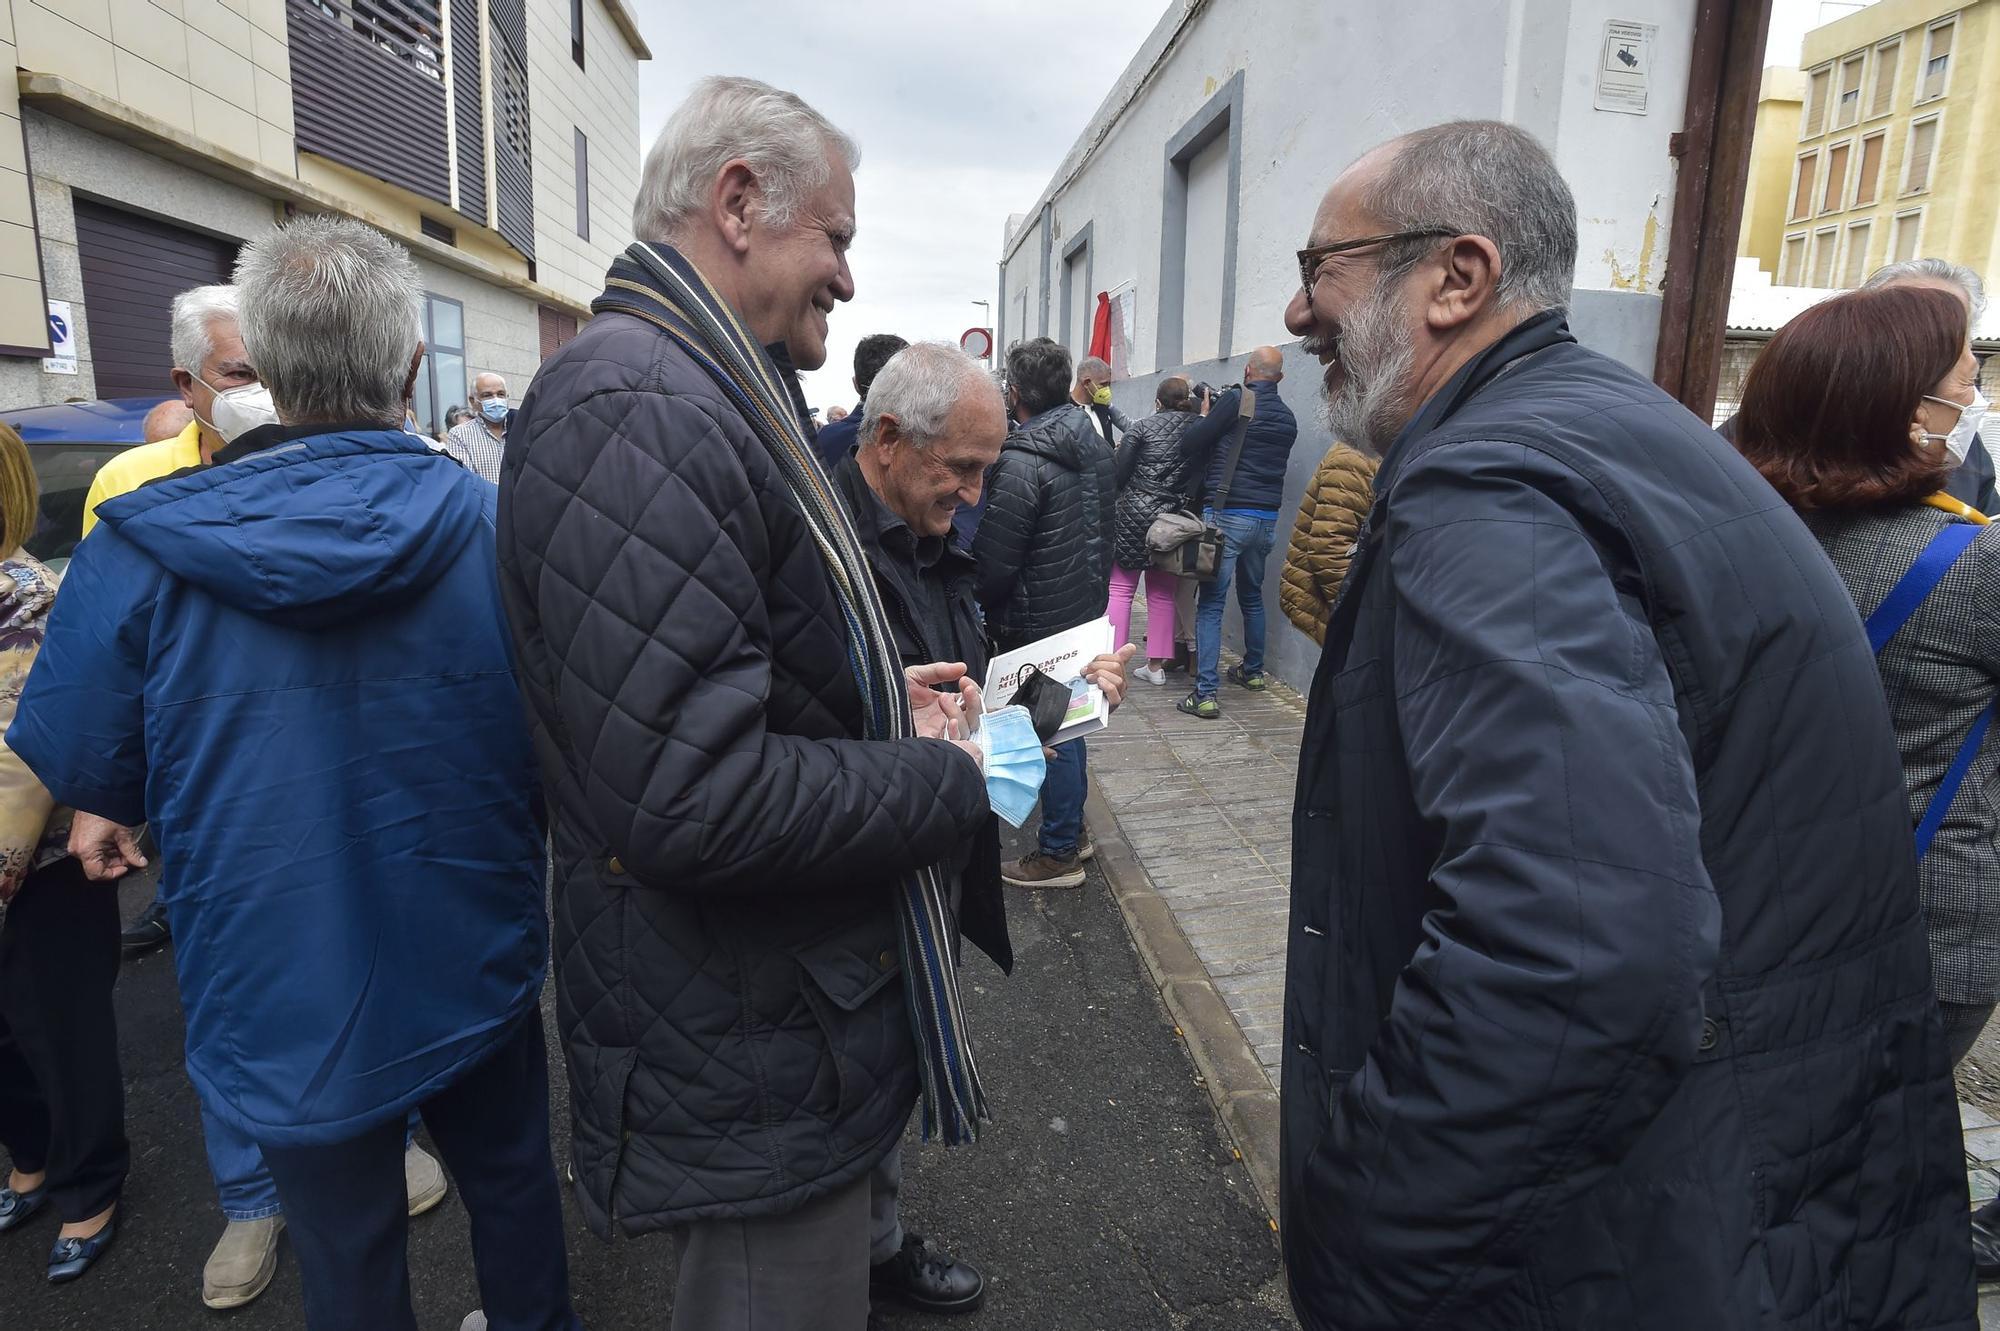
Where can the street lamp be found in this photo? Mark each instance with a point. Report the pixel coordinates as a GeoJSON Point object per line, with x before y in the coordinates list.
{"type": "Point", "coordinates": [986, 322]}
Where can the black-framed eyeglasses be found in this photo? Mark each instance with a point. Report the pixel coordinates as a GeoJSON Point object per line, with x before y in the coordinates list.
{"type": "Point", "coordinates": [1311, 260]}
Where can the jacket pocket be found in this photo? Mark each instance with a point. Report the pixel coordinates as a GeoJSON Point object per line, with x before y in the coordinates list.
{"type": "Point", "coordinates": [854, 1002]}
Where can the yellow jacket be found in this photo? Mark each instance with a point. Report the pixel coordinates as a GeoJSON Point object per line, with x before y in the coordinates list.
{"type": "Point", "coordinates": [135, 466]}
{"type": "Point", "coordinates": [1330, 517]}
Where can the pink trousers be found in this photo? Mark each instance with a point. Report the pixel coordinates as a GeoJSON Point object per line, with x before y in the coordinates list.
{"type": "Point", "coordinates": [1160, 589]}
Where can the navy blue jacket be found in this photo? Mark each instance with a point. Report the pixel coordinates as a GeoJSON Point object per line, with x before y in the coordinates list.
{"type": "Point", "coordinates": [1259, 483]}
{"type": "Point", "coordinates": [836, 439]}
{"type": "Point", "coordinates": [1608, 1001]}
{"type": "Point", "coordinates": [295, 666]}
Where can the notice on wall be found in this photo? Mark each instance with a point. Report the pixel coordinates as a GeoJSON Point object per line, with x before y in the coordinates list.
{"type": "Point", "coordinates": [62, 340]}
{"type": "Point", "coordinates": [1625, 70]}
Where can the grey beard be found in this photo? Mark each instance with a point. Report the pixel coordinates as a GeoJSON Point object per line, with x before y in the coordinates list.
{"type": "Point", "coordinates": [1371, 407]}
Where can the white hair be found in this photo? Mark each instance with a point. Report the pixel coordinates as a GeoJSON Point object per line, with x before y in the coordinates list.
{"type": "Point", "coordinates": [920, 387]}
{"type": "Point", "coordinates": [1933, 270]}
{"type": "Point", "coordinates": [787, 145]}
{"type": "Point", "coordinates": [194, 311]}
{"type": "Point", "coordinates": [331, 313]}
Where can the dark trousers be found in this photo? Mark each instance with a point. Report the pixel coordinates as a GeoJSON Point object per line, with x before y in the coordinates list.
{"type": "Point", "coordinates": [62, 1099]}
{"type": "Point", "coordinates": [348, 1215]}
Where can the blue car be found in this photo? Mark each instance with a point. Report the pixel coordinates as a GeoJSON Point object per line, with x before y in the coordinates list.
{"type": "Point", "coordinates": [68, 443]}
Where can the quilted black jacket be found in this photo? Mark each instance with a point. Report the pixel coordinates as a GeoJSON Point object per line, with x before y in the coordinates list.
{"type": "Point", "coordinates": [1156, 472]}
{"type": "Point", "coordinates": [1044, 544]}
{"type": "Point", "coordinates": [727, 848]}
{"type": "Point", "coordinates": [1607, 1001]}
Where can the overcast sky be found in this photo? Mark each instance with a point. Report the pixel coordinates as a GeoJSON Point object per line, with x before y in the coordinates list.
{"type": "Point", "coordinates": [963, 112]}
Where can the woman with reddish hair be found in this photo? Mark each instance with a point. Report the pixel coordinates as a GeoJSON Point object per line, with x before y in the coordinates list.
{"type": "Point", "coordinates": [1857, 412]}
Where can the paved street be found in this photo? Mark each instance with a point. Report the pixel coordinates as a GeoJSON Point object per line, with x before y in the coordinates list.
{"type": "Point", "coordinates": [1104, 1196]}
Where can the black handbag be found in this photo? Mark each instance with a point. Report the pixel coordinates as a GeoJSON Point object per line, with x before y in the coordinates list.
{"type": "Point", "coordinates": [1182, 544]}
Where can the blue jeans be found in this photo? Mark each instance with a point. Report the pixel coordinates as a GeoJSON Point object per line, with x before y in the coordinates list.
{"type": "Point", "coordinates": [242, 1184]}
{"type": "Point", "coordinates": [1246, 546]}
{"type": "Point", "coordinates": [1062, 799]}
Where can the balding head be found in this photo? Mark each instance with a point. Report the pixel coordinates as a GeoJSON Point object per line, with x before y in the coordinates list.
{"type": "Point", "coordinates": [1264, 366]}
{"type": "Point", "coordinates": [167, 420]}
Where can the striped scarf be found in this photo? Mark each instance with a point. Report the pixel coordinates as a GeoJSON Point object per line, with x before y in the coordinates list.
{"type": "Point", "coordinates": [655, 283]}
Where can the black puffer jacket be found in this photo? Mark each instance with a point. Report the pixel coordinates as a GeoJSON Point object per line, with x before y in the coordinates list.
{"type": "Point", "coordinates": [1156, 472]}
{"type": "Point", "coordinates": [727, 848]}
{"type": "Point", "coordinates": [1044, 545]}
{"type": "Point", "coordinates": [1607, 1002]}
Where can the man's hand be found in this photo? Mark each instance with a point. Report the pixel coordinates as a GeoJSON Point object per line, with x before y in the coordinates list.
{"type": "Point", "coordinates": [1108, 673]}
{"type": "Point", "coordinates": [104, 848]}
{"type": "Point", "coordinates": [938, 714]}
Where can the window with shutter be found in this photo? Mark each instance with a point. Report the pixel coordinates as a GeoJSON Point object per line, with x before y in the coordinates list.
{"type": "Point", "coordinates": [1834, 197]}
{"type": "Point", "coordinates": [1854, 266]}
{"type": "Point", "coordinates": [1904, 242]}
{"type": "Point", "coordinates": [1824, 244]}
{"type": "Point", "coordinates": [1937, 62]}
{"type": "Point", "coordinates": [1888, 60]}
{"type": "Point", "coordinates": [1917, 164]}
{"type": "Point", "coordinates": [1848, 109]}
{"type": "Point", "coordinates": [1816, 104]}
{"type": "Point", "coordinates": [1802, 192]}
{"type": "Point", "coordinates": [1792, 267]}
{"type": "Point", "coordinates": [1867, 178]}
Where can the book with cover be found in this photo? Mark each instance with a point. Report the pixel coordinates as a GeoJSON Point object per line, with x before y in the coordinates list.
{"type": "Point", "coordinates": [1062, 656]}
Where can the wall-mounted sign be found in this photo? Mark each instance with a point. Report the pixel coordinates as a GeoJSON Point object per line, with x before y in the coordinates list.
{"type": "Point", "coordinates": [62, 340]}
{"type": "Point", "coordinates": [1625, 69]}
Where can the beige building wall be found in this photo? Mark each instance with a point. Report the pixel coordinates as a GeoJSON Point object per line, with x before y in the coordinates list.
{"type": "Point", "coordinates": [1778, 103]}
{"type": "Point", "coordinates": [22, 301]}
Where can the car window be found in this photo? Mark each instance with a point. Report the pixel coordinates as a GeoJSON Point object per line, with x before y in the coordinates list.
{"type": "Point", "coordinates": [64, 472]}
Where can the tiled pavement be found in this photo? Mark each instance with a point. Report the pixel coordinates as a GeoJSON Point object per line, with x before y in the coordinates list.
{"type": "Point", "coordinates": [1206, 808]}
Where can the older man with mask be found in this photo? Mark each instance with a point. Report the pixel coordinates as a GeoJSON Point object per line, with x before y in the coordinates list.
{"type": "Point", "coordinates": [359, 906]}
{"type": "Point", "coordinates": [479, 441]}
{"type": "Point", "coordinates": [1608, 1000]}
{"type": "Point", "coordinates": [754, 803]}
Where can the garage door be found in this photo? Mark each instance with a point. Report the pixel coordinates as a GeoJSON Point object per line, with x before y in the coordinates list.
{"type": "Point", "coordinates": [133, 267]}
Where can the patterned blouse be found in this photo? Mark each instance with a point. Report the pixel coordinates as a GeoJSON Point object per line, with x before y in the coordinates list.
{"type": "Point", "coordinates": [1939, 672]}
{"type": "Point", "coordinates": [33, 831]}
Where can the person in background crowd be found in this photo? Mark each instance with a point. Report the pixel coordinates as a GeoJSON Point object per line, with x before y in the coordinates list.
{"type": "Point", "coordinates": [1044, 555]}
{"type": "Point", "coordinates": [836, 413]}
{"type": "Point", "coordinates": [1324, 536]}
{"type": "Point", "coordinates": [1857, 413]}
{"type": "Point", "coordinates": [1254, 486]}
{"type": "Point", "coordinates": [837, 438]}
{"type": "Point", "coordinates": [477, 442]}
{"type": "Point", "coordinates": [164, 422]}
{"type": "Point", "coordinates": [1092, 392]}
{"type": "Point", "coordinates": [1156, 472]}
{"type": "Point", "coordinates": [750, 793]}
{"type": "Point", "coordinates": [387, 952]}
{"type": "Point", "coordinates": [1607, 999]}
{"type": "Point", "coordinates": [455, 417]}
{"type": "Point", "coordinates": [1972, 478]}
{"type": "Point", "coordinates": [62, 1098]}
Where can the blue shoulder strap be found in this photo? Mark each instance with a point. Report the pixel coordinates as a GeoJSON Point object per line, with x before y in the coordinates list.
{"type": "Point", "coordinates": [1902, 601]}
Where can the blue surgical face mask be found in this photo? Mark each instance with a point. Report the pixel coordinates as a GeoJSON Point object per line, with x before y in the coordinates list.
{"type": "Point", "coordinates": [1015, 765]}
{"type": "Point", "coordinates": [494, 409]}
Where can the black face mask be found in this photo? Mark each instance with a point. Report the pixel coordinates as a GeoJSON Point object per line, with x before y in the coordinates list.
{"type": "Point", "coordinates": [1045, 697]}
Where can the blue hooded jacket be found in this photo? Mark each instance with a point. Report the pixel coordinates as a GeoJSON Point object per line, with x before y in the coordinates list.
{"type": "Point", "coordinates": [296, 667]}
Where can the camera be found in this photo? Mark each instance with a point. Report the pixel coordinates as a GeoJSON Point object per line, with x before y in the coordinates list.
{"type": "Point", "coordinates": [1209, 389]}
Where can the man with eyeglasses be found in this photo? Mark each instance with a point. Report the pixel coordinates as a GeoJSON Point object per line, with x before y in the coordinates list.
{"type": "Point", "coordinates": [1607, 996]}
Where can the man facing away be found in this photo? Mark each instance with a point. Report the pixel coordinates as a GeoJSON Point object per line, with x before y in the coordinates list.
{"type": "Point", "coordinates": [355, 873]}
{"type": "Point", "coordinates": [837, 437]}
{"type": "Point", "coordinates": [1608, 1000]}
{"type": "Point", "coordinates": [1242, 501]}
{"type": "Point", "coordinates": [751, 797]}
{"type": "Point", "coordinates": [478, 442]}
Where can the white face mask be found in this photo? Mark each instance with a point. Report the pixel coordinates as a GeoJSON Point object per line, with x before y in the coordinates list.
{"type": "Point", "coordinates": [1971, 415]}
{"type": "Point", "coordinates": [240, 410]}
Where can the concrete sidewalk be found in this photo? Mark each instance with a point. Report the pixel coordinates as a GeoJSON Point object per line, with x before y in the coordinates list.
{"type": "Point", "coordinates": [1193, 827]}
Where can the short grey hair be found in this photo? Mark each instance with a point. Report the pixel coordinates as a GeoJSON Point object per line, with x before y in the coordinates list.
{"type": "Point", "coordinates": [1482, 178]}
{"type": "Point", "coordinates": [788, 146]}
{"type": "Point", "coordinates": [1096, 367]}
{"type": "Point", "coordinates": [920, 386]}
{"type": "Point", "coordinates": [331, 313]}
{"type": "Point", "coordinates": [194, 310]}
{"type": "Point", "coordinates": [1933, 270]}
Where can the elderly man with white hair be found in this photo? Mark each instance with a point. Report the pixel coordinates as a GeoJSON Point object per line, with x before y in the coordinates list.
{"type": "Point", "coordinates": [270, 659]}
{"type": "Point", "coordinates": [754, 804]}
{"type": "Point", "coordinates": [1972, 480]}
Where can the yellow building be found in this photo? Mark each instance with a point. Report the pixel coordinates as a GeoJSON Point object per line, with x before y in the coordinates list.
{"type": "Point", "coordinates": [1894, 152]}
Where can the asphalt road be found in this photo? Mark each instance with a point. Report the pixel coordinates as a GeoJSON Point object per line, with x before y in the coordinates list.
{"type": "Point", "coordinates": [1103, 1196]}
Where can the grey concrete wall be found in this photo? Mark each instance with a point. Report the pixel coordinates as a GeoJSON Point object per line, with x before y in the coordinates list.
{"type": "Point", "coordinates": [1621, 325]}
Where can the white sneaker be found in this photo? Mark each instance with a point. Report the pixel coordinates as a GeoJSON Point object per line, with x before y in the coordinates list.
{"type": "Point", "coordinates": [423, 1179]}
{"type": "Point", "coordinates": [244, 1260]}
{"type": "Point", "coordinates": [1151, 674]}
{"type": "Point", "coordinates": [474, 1321]}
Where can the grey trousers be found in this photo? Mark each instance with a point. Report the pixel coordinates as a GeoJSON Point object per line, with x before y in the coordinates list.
{"type": "Point", "coordinates": [806, 1270]}
{"type": "Point", "coordinates": [885, 1226]}
{"type": "Point", "coordinates": [1962, 1024]}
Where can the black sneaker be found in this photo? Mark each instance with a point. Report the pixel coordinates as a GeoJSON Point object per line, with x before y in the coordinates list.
{"type": "Point", "coordinates": [1986, 1242]}
{"type": "Point", "coordinates": [1208, 709]}
{"type": "Point", "coordinates": [926, 1278]}
{"type": "Point", "coordinates": [149, 933]}
{"type": "Point", "coordinates": [1252, 680]}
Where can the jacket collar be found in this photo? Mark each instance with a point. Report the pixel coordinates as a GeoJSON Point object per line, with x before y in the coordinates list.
{"type": "Point", "coordinates": [270, 436]}
{"type": "Point", "coordinates": [887, 538]}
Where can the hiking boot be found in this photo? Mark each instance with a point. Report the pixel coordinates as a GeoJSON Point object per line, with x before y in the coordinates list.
{"type": "Point", "coordinates": [243, 1262]}
{"type": "Point", "coordinates": [149, 933]}
{"type": "Point", "coordinates": [925, 1277]}
{"type": "Point", "coordinates": [423, 1179]}
{"type": "Point", "coordinates": [1038, 870]}
{"type": "Point", "coordinates": [1252, 680]}
{"type": "Point", "coordinates": [1208, 709]}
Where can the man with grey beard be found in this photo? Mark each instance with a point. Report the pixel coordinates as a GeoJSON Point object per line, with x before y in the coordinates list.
{"type": "Point", "coordinates": [1607, 999]}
